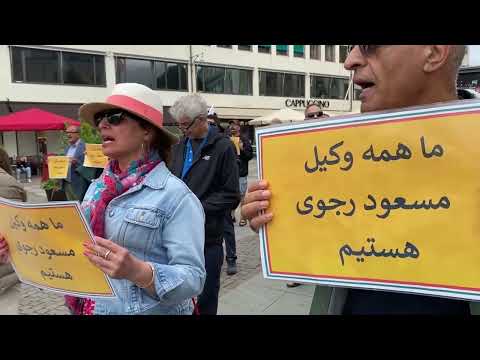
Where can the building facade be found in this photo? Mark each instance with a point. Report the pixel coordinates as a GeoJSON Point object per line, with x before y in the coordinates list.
{"type": "Point", "coordinates": [469, 78]}
{"type": "Point", "coordinates": [240, 81]}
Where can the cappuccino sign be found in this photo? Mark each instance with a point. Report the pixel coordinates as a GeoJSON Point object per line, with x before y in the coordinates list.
{"type": "Point", "coordinates": [324, 104]}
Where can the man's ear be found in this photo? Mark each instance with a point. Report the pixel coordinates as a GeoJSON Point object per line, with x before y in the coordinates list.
{"type": "Point", "coordinates": [436, 56]}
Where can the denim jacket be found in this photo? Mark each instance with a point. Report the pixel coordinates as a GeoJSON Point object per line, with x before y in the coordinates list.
{"type": "Point", "coordinates": [160, 221]}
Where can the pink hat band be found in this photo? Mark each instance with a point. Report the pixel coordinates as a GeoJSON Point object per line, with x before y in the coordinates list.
{"type": "Point", "coordinates": [137, 107]}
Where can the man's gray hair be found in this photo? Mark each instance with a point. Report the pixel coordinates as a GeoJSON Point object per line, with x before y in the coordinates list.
{"type": "Point", "coordinates": [189, 106]}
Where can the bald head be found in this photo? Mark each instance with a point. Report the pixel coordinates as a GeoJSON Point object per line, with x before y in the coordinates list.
{"type": "Point", "coordinates": [396, 76]}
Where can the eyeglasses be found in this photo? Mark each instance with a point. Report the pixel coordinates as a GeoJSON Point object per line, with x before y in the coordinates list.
{"type": "Point", "coordinates": [186, 125]}
{"type": "Point", "coordinates": [317, 114]}
{"type": "Point", "coordinates": [366, 50]}
{"type": "Point", "coordinates": [114, 117]}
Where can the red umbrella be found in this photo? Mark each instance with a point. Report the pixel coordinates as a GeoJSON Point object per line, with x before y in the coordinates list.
{"type": "Point", "coordinates": [34, 120]}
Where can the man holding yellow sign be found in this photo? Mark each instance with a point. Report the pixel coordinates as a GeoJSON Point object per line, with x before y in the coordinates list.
{"type": "Point", "coordinates": [73, 184]}
{"type": "Point", "coordinates": [391, 76]}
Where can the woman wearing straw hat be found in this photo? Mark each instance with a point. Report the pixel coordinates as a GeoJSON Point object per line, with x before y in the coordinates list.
{"type": "Point", "coordinates": [148, 226]}
{"type": "Point", "coordinates": [155, 223]}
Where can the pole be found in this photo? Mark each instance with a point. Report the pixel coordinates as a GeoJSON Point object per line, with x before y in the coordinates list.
{"type": "Point", "coordinates": [16, 138]}
{"type": "Point", "coordinates": [351, 91]}
{"type": "Point", "coordinates": [191, 68]}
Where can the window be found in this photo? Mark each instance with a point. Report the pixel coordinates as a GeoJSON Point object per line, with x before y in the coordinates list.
{"type": "Point", "coordinates": [299, 50]}
{"type": "Point", "coordinates": [245, 47]}
{"type": "Point", "coordinates": [315, 52]}
{"type": "Point", "coordinates": [134, 71]}
{"type": "Point", "coordinates": [41, 66]}
{"type": "Point", "coordinates": [57, 67]}
{"type": "Point", "coordinates": [271, 83]}
{"type": "Point", "coordinates": [264, 49]}
{"type": "Point", "coordinates": [294, 85]}
{"type": "Point", "coordinates": [78, 69]}
{"type": "Point", "coordinates": [282, 49]}
{"type": "Point", "coordinates": [222, 80]}
{"type": "Point", "coordinates": [17, 64]}
{"type": "Point", "coordinates": [343, 53]}
{"type": "Point", "coordinates": [325, 87]}
{"type": "Point", "coordinates": [158, 75]}
{"type": "Point", "coordinates": [330, 53]}
{"type": "Point", "coordinates": [281, 84]}
{"type": "Point", "coordinates": [183, 73]}
{"type": "Point", "coordinates": [100, 73]}
{"type": "Point", "coordinates": [225, 46]}
{"type": "Point", "coordinates": [214, 79]}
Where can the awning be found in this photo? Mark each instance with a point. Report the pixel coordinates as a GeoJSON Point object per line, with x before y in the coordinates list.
{"type": "Point", "coordinates": [34, 120]}
{"type": "Point", "coordinates": [241, 113]}
{"type": "Point", "coordinates": [279, 116]}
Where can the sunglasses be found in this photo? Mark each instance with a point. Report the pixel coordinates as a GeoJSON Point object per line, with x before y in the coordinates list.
{"type": "Point", "coordinates": [317, 114]}
{"type": "Point", "coordinates": [366, 50]}
{"type": "Point", "coordinates": [114, 117]}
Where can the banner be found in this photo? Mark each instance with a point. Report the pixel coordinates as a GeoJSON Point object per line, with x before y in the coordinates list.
{"type": "Point", "coordinates": [45, 242]}
{"type": "Point", "coordinates": [58, 167]}
{"type": "Point", "coordinates": [94, 156]}
{"type": "Point", "coordinates": [385, 201]}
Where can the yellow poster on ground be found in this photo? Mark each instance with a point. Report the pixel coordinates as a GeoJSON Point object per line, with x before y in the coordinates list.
{"type": "Point", "coordinates": [94, 156]}
{"type": "Point", "coordinates": [45, 242]}
{"type": "Point", "coordinates": [381, 201]}
{"type": "Point", "coordinates": [58, 167]}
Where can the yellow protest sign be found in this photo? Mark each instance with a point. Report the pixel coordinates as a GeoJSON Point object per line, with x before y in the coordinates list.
{"type": "Point", "coordinates": [58, 167]}
{"type": "Point", "coordinates": [382, 201]}
{"type": "Point", "coordinates": [94, 156]}
{"type": "Point", "coordinates": [236, 141]}
{"type": "Point", "coordinates": [45, 242]}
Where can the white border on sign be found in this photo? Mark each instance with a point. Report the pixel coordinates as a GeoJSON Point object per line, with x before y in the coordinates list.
{"type": "Point", "coordinates": [365, 118]}
{"type": "Point", "coordinates": [60, 204]}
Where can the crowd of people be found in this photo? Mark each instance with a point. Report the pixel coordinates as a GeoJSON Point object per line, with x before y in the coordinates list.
{"type": "Point", "coordinates": [163, 206]}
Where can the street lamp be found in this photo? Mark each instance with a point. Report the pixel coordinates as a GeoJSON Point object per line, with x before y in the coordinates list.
{"type": "Point", "coordinates": [192, 60]}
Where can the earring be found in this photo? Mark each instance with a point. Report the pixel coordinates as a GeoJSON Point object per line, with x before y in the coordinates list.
{"type": "Point", "coordinates": [144, 150]}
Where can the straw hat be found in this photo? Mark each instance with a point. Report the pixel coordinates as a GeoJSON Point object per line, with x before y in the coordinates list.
{"type": "Point", "coordinates": [134, 98]}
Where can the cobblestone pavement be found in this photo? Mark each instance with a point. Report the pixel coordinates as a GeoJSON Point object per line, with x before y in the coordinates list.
{"type": "Point", "coordinates": [35, 301]}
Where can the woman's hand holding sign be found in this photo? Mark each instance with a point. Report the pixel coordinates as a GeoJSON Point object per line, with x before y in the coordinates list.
{"type": "Point", "coordinates": [118, 263]}
{"type": "Point", "coordinates": [257, 199]}
{"type": "Point", "coordinates": [4, 251]}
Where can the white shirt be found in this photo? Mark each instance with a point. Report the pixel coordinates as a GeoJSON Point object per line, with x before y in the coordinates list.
{"type": "Point", "coordinates": [72, 148]}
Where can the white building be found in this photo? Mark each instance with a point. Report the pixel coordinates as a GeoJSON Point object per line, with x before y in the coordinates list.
{"type": "Point", "coordinates": [466, 58]}
{"type": "Point", "coordinates": [240, 81]}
